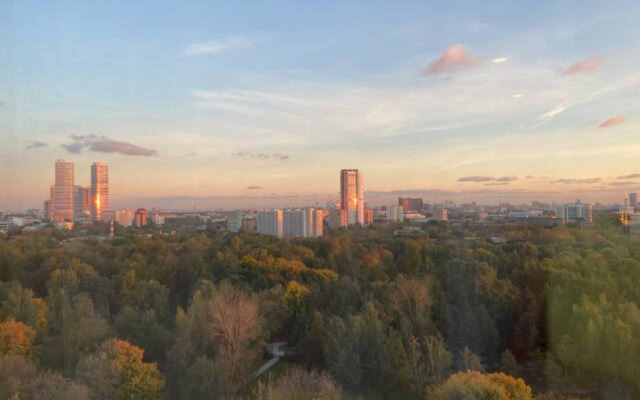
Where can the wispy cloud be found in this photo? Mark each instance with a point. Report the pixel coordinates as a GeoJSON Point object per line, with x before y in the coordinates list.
{"type": "Point", "coordinates": [617, 120]}
{"type": "Point", "coordinates": [622, 183]}
{"type": "Point", "coordinates": [501, 180]}
{"type": "Point", "coordinates": [588, 65]}
{"type": "Point", "coordinates": [630, 176]}
{"type": "Point", "coordinates": [454, 58]}
{"type": "Point", "coordinates": [103, 144]}
{"type": "Point", "coordinates": [579, 181]}
{"type": "Point", "coordinates": [216, 45]}
{"type": "Point", "coordinates": [263, 156]}
{"type": "Point", "coordinates": [253, 187]}
{"type": "Point", "coordinates": [35, 145]}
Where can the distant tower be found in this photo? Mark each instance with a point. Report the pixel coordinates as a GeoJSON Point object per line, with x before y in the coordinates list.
{"type": "Point", "coordinates": [352, 195]}
{"type": "Point", "coordinates": [64, 192]}
{"type": "Point", "coordinates": [111, 229]}
{"type": "Point", "coordinates": [99, 190]}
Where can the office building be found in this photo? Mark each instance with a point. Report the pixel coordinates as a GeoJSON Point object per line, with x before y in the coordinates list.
{"type": "Point", "coordinates": [47, 210]}
{"type": "Point", "coordinates": [140, 218]}
{"type": "Point", "coordinates": [395, 213]}
{"type": "Point", "coordinates": [157, 219]}
{"type": "Point", "coordinates": [574, 213]}
{"type": "Point", "coordinates": [410, 204]}
{"type": "Point", "coordinates": [64, 191]}
{"type": "Point", "coordinates": [270, 223]}
{"type": "Point", "coordinates": [82, 203]}
{"type": "Point", "coordinates": [99, 190]}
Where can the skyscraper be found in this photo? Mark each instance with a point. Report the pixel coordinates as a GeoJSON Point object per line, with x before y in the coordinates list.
{"type": "Point", "coordinates": [352, 195]}
{"type": "Point", "coordinates": [99, 189]}
{"type": "Point", "coordinates": [64, 191]}
{"type": "Point", "coordinates": [410, 204]}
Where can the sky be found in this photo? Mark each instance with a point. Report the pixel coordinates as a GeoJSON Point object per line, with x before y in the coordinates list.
{"type": "Point", "coordinates": [250, 104]}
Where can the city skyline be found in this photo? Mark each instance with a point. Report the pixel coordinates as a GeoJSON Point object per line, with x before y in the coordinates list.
{"type": "Point", "coordinates": [497, 102]}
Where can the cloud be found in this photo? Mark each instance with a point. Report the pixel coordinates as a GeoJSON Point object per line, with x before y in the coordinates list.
{"type": "Point", "coordinates": [454, 58]}
{"type": "Point", "coordinates": [35, 145]}
{"type": "Point", "coordinates": [496, 183]}
{"type": "Point", "coordinates": [216, 46]}
{"type": "Point", "coordinates": [617, 120]}
{"type": "Point", "coordinates": [588, 65]}
{"type": "Point", "coordinates": [578, 181]}
{"type": "Point", "coordinates": [630, 176]}
{"type": "Point", "coordinates": [622, 183]}
{"type": "Point", "coordinates": [507, 178]}
{"type": "Point", "coordinates": [103, 144]}
{"type": "Point", "coordinates": [263, 156]}
{"type": "Point", "coordinates": [503, 180]}
{"type": "Point", "coordinates": [549, 115]}
{"type": "Point", "coordinates": [499, 60]}
{"type": "Point", "coordinates": [252, 187]}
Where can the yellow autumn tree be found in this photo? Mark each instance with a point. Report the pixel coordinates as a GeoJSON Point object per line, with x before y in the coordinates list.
{"type": "Point", "coordinates": [16, 338]}
{"type": "Point", "coordinates": [478, 386]}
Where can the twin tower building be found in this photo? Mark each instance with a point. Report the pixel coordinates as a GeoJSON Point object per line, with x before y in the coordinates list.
{"type": "Point", "coordinates": [69, 202]}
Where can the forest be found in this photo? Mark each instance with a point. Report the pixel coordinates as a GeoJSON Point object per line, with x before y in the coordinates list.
{"type": "Point", "coordinates": [448, 313]}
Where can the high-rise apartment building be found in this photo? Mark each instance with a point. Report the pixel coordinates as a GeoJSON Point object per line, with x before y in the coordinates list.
{"type": "Point", "coordinates": [82, 203]}
{"type": "Point", "coordinates": [352, 195]}
{"type": "Point", "coordinates": [64, 191]}
{"type": "Point", "coordinates": [270, 223]}
{"type": "Point", "coordinates": [124, 217]}
{"type": "Point", "coordinates": [234, 222]}
{"type": "Point", "coordinates": [303, 223]}
{"type": "Point", "coordinates": [99, 190]}
{"type": "Point", "coordinates": [410, 204]}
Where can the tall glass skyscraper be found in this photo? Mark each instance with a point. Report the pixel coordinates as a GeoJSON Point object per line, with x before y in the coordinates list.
{"type": "Point", "coordinates": [64, 191]}
{"type": "Point", "coordinates": [352, 195]}
{"type": "Point", "coordinates": [99, 190]}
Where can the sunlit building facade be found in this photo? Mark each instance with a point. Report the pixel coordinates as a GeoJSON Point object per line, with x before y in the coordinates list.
{"type": "Point", "coordinates": [64, 191]}
{"type": "Point", "coordinates": [352, 195]}
{"type": "Point", "coordinates": [575, 213]}
{"type": "Point", "coordinates": [303, 223]}
{"type": "Point", "coordinates": [99, 190]}
{"type": "Point", "coordinates": [140, 218]}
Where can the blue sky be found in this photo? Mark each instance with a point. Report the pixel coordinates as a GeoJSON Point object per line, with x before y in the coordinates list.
{"type": "Point", "coordinates": [207, 99]}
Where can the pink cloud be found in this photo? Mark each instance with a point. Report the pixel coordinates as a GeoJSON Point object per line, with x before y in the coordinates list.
{"type": "Point", "coordinates": [588, 65]}
{"type": "Point", "coordinates": [455, 57]}
{"type": "Point", "coordinates": [617, 120]}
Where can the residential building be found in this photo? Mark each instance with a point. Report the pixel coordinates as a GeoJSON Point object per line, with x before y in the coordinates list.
{"type": "Point", "coordinates": [352, 195]}
{"type": "Point", "coordinates": [64, 191]}
{"type": "Point", "coordinates": [140, 218]}
{"type": "Point", "coordinates": [440, 213]}
{"type": "Point", "coordinates": [234, 222]}
{"type": "Point", "coordinates": [395, 213]}
{"type": "Point", "coordinates": [574, 213]}
{"type": "Point", "coordinates": [270, 223]}
{"type": "Point", "coordinates": [99, 190]}
{"type": "Point", "coordinates": [303, 223]}
{"type": "Point", "coordinates": [410, 204]}
{"type": "Point", "coordinates": [633, 200]}
{"type": "Point", "coordinates": [249, 224]}
{"type": "Point", "coordinates": [125, 217]}
{"type": "Point", "coordinates": [338, 219]}
{"type": "Point", "coordinates": [368, 215]}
